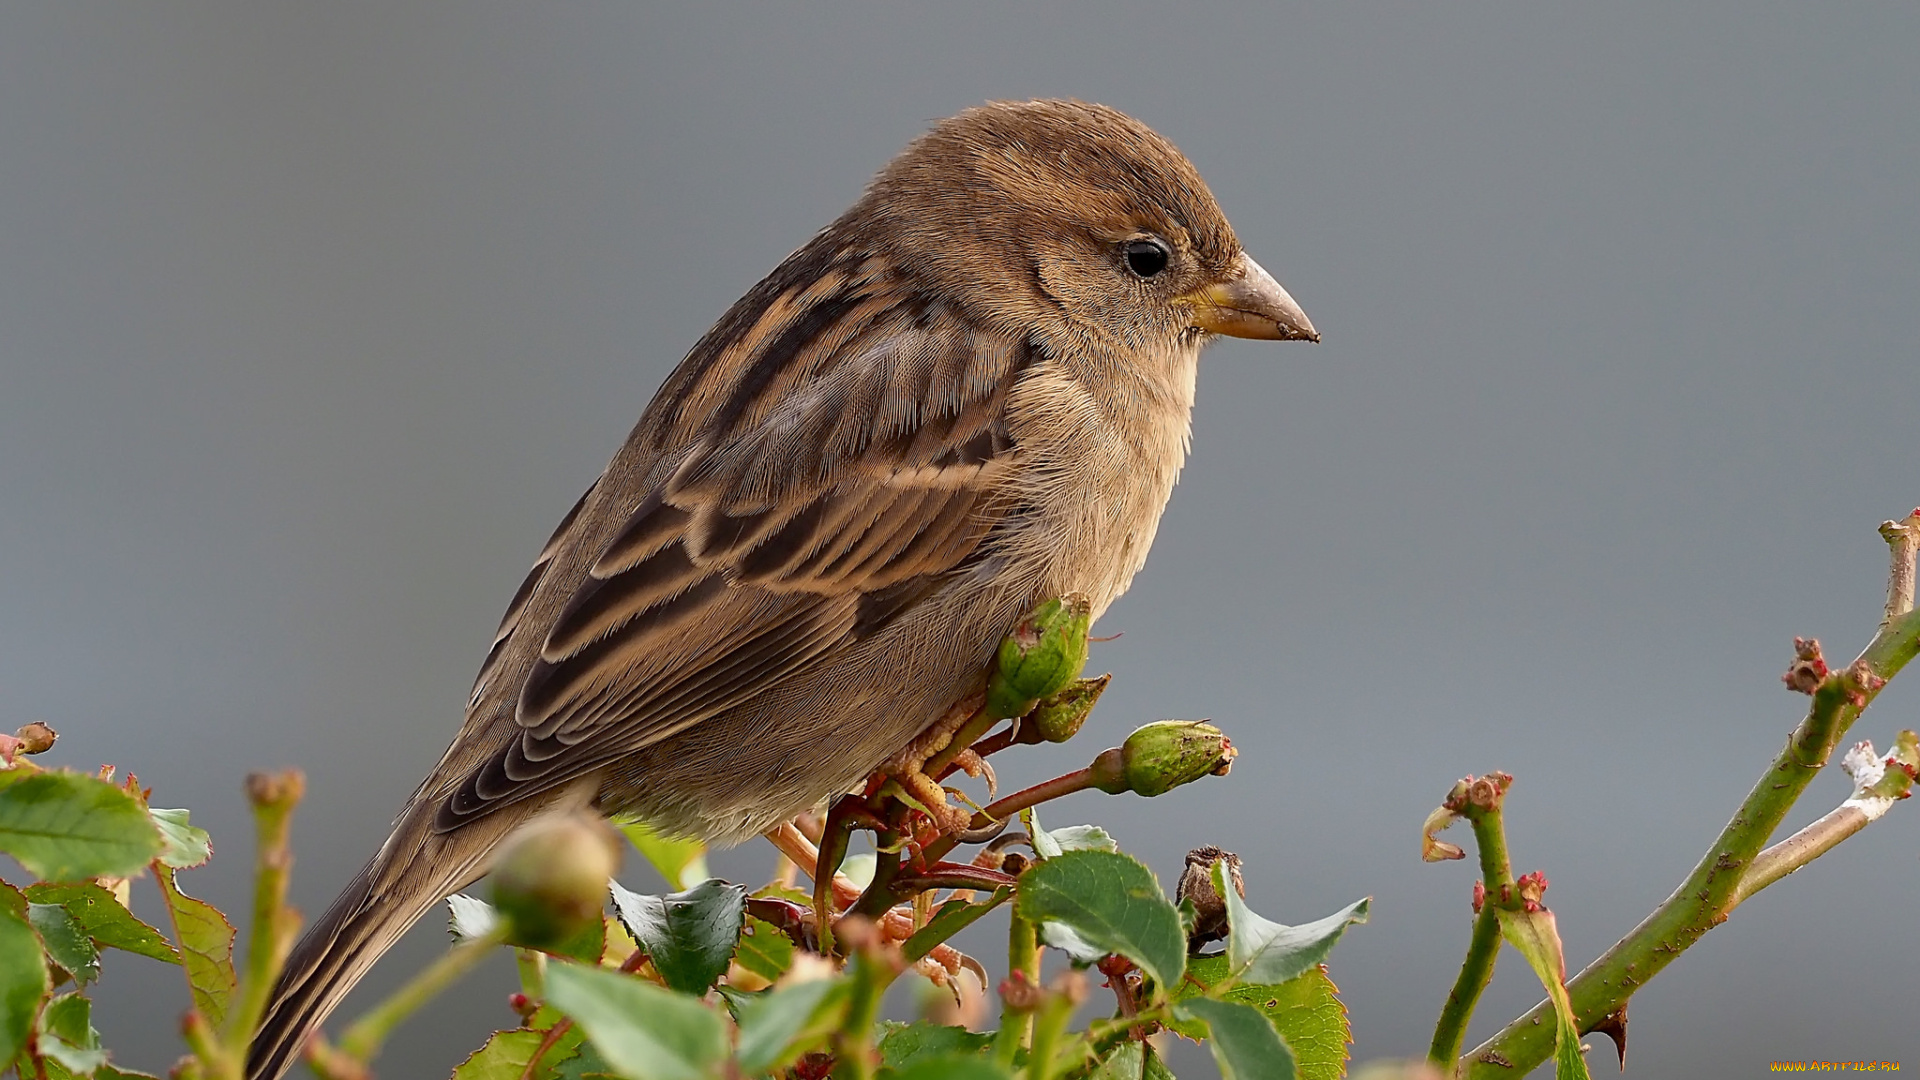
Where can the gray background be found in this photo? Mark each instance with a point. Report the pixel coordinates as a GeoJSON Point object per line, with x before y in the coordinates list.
{"type": "Point", "coordinates": [313, 320]}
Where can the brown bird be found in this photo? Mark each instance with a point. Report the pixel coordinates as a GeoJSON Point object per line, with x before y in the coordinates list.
{"type": "Point", "coordinates": [967, 395]}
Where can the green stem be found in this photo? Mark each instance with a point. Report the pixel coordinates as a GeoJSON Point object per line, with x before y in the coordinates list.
{"type": "Point", "coordinates": [273, 797]}
{"type": "Point", "coordinates": [1049, 1025]}
{"type": "Point", "coordinates": [1483, 948]}
{"type": "Point", "coordinates": [363, 1040]}
{"type": "Point", "coordinates": [1704, 898]}
{"type": "Point", "coordinates": [1023, 960]}
{"type": "Point", "coordinates": [1476, 971]}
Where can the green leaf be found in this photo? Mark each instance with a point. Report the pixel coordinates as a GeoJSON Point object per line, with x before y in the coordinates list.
{"type": "Point", "coordinates": [469, 918]}
{"type": "Point", "coordinates": [688, 935]}
{"type": "Point", "coordinates": [183, 846]}
{"type": "Point", "coordinates": [1244, 1043]}
{"type": "Point", "coordinates": [1048, 844]}
{"type": "Point", "coordinates": [1111, 902]}
{"type": "Point", "coordinates": [952, 917]}
{"type": "Point", "coordinates": [110, 1071]}
{"type": "Point", "coordinates": [104, 918]}
{"type": "Point", "coordinates": [1537, 936]}
{"type": "Point", "coordinates": [67, 1035]}
{"type": "Point", "coordinates": [682, 862]}
{"type": "Point", "coordinates": [1269, 952]}
{"type": "Point", "coordinates": [645, 1032]}
{"type": "Point", "coordinates": [67, 945]}
{"type": "Point", "coordinates": [763, 949]}
{"type": "Point", "coordinates": [206, 947]}
{"type": "Point", "coordinates": [777, 1027]}
{"type": "Point", "coordinates": [906, 1044]}
{"type": "Point", "coordinates": [504, 1056]}
{"type": "Point", "coordinates": [950, 1067]}
{"type": "Point", "coordinates": [1306, 1010]}
{"type": "Point", "coordinates": [1132, 1061]}
{"type": "Point", "coordinates": [66, 826]}
{"type": "Point", "coordinates": [23, 980]}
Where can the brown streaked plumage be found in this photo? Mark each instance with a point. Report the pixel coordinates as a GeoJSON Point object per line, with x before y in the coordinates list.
{"type": "Point", "coordinates": [968, 394]}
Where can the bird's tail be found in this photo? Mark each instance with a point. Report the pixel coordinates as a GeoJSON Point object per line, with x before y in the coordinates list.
{"type": "Point", "coordinates": [414, 870]}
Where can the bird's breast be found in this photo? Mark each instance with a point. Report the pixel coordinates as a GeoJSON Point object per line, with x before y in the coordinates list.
{"type": "Point", "coordinates": [1099, 458]}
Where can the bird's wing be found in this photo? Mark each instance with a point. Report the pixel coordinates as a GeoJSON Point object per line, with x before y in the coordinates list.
{"type": "Point", "coordinates": [852, 453]}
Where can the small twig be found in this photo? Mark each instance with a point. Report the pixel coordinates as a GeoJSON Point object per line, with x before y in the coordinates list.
{"type": "Point", "coordinates": [1703, 899]}
{"type": "Point", "coordinates": [1903, 537]}
{"type": "Point", "coordinates": [1878, 785]}
{"type": "Point", "coordinates": [364, 1038]}
{"type": "Point", "coordinates": [274, 924]}
{"type": "Point", "coordinates": [1078, 780]}
{"type": "Point", "coordinates": [1480, 801]}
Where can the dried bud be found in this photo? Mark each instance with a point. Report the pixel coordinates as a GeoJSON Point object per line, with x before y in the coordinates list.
{"type": "Point", "coordinates": [1209, 907]}
{"type": "Point", "coordinates": [1432, 848]}
{"type": "Point", "coordinates": [1531, 887]}
{"type": "Point", "coordinates": [1809, 667]}
{"type": "Point", "coordinates": [1479, 896]}
{"type": "Point", "coordinates": [35, 738]}
{"type": "Point", "coordinates": [1042, 655]}
{"type": "Point", "coordinates": [1163, 755]}
{"type": "Point", "coordinates": [1058, 718]}
{"type": "Point", "coordinates": [551, 880]}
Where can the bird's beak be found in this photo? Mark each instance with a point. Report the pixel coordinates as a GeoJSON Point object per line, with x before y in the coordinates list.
{"type": "Point", "coordinates": [1250, 304]}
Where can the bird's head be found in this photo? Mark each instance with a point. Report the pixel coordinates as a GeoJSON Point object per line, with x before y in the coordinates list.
{"type": "Point", "coordinates": [1044, 213]}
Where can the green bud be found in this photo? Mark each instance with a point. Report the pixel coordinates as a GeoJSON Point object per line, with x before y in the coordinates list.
{"type": "Point", "coordinates": [1163, 755]}
{"type": "Point", "coordinates": [1058, 718]}
{"type": "Point", "coordinates": [1042, 655]}
{"type": "Point", "coordinates": [551, 880]}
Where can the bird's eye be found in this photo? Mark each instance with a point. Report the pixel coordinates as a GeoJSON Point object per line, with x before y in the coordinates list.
{"type": "Point", "coordinates": [1146, 257]}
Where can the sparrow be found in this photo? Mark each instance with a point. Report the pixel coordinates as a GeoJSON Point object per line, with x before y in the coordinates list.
{"type": "Point", "coordinates": [967, 395]}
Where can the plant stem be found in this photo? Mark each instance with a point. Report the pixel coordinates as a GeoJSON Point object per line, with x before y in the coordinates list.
{"type": "Point", "coordinates": [1023, 961]}
{"type": "Point", "coordinates": [364, 1038]}
{"type": "Point", "coordinates": [1706, 896]}
{"type": "Point", "coordinates": [273, 797]}
{"type": "Point", "coordinates": [1079, 780]}
{"type": "Point", "coordinates": [1483, 948]}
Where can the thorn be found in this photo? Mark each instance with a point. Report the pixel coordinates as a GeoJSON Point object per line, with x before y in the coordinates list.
{"type": "Point", "coordinates": [1614, 1026]}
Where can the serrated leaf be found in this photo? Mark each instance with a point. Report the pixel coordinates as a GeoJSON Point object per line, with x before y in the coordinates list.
{"type": "Point", "coordinates": [682, 862]}
{"type": "Point", "coordinates": [205, 938]}
{"type": "Point", "coordinates": [23, 980]}
{"type": "Point", "coordinates": [1244, 1043]}
{"type": "Point", "coordinates": [583, 1061]}
{"type": "Point", "coordinates": [183, 846]}
{"type": "Point", "coordinates": [67, 1035]}
{"type": "Point", "coordinates": [67, 945]}
{"type": "Point", "coordinates": [1050, 843]}
{"type": "Point", "coordinates": [950, 1067]}
{"type": "Point", "coordinates": [952, 917]}
{"type": "Point", "coordinates": [470, 918]}
{"type": "Point", "coordinates": [689, 936]}
{"type": "Point", "coordinates": [905, 1044]}
{"type": "Point", "coordinates": [643, 1031]}
{"type": "Point", "coordinates": [1263, 951]}
{"type": "Point", "coordinates": [1306, 1010]}
{"type": "Point", "coordinates": [1132, 1061]}
{"type": "Point", "coordinates": [777, 1027]}
{"type": "Point", "coordinates": [504, 1056]}
{"type": "Point", "coordinates": [1110, 902]}
{"type": "Point", "coordinates": [109, 1071]}
{"type": "Point", "coordinates": [1537, 936]}
{"type": "Point", "coordinates": [763, 949]}
{"type": "Point", "coordinates": [66, 826]}
{"type": "Point", "coordinates": [104, 918]}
